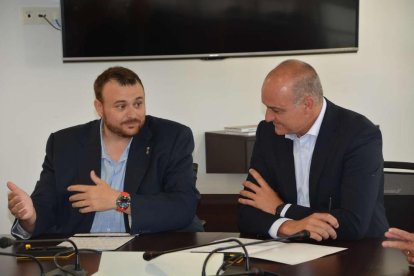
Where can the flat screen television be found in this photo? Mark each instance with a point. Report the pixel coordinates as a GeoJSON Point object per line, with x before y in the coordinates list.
{"type": "Point", "coordinates": [171, 29]}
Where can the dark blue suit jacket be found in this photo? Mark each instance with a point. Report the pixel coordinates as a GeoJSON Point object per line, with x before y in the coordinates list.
{"type": "Point", "coordinates": [346, 168]}
{"type": "Point", "coordinates": [159, 177]}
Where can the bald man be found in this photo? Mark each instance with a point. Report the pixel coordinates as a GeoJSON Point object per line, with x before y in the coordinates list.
{"type": "Point", "coordinates": [315, 166]}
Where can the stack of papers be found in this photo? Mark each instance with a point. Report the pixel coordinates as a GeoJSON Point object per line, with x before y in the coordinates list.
{"type": "Point", "coordinates": [248, 130]}
{"type": "Point", "coordinates": [190, 262]}
{"type": "Point", "coordinates": [287, 253]}
{"type": "Point", "coordinates": [177, 263]}
{"type": "Point", "coordinates": [99, 241]}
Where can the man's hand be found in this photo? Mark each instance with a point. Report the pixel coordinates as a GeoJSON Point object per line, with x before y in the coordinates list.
{"type": "Point", "coordinates": [261, 196]}
{"type": "Point", "coordinates": [100, 197]}
{"type": "Point", "coordinates": [21, 207]}
{"type": "Point", "coordinates": [401, 240]}
{"type": "Point", "coordinates": [320, 225]}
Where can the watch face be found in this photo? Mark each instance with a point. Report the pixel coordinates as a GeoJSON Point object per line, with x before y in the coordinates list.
{"type": "Point", "coordinates": [123, 202]}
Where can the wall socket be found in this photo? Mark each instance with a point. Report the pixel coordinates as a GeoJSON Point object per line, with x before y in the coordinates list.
{"type": "Point", "coordinates": [30, 15]}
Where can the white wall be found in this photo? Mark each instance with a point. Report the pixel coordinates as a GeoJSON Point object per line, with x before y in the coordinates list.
{"type": "Point", "coordinates": [40, 94]}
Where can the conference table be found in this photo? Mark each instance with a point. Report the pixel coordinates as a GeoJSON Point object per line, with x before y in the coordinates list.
{"type": "Point", "coordinates": [364, 257]}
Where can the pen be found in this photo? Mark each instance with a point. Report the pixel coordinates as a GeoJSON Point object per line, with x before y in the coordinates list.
{"type": "Point", "coordinates": [330, 204]}
{"type": "Point", "coordinates": [29, 247]}
{"type": "Point", "coordinates": [104, 236]}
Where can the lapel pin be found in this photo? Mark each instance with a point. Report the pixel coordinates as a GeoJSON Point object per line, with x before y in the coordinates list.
{"type": "Point", "coordinates": [148, 151]}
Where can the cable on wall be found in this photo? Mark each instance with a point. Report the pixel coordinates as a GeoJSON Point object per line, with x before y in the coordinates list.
{"type": "Point", "coordinates": [58, 27]}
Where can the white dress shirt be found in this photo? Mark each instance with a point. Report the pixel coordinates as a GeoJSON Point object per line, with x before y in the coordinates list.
{"type": "Point", "coordinates": [302, 152]}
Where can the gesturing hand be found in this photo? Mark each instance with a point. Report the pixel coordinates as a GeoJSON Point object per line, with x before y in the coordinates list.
{"type": "Point", "coordinates": [260, 196]}
{"type": "Point", "coordinates": [320, 225]}
{"type": "Point", "coordinates": [21, 207]}
{"type": "Point", "coordinates": [100, 197]}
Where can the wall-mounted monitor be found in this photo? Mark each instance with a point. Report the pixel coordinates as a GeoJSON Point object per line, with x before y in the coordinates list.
{"type": "Point", "coordinates": [171, 29]}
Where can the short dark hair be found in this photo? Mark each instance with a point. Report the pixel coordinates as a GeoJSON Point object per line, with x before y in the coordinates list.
{"type": "Point", "coordinates": [122, 75]}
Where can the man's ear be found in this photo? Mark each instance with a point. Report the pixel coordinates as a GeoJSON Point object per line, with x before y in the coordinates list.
{"type": "Point", "coordinates": [98, 107]}
{"type": "Point", "coordinates": [309, 102]}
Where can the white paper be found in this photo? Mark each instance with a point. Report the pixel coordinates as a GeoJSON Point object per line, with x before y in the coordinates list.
{"type": "Point", "coordinates": [177, 263]}
{"type": "Point", "coordinates": [104, 234]}
{"type": "Point", "coordinates": [99, 241]}
{"type": "Point", "coordinates": [287, 253]}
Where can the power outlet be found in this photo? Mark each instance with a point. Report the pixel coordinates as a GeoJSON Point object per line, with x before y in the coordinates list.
{"type": "Point", "coordinates": [33, 15]}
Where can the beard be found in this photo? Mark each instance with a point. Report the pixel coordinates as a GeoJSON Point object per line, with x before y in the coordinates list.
{"type": "Point", "coordinates": [126, 129]}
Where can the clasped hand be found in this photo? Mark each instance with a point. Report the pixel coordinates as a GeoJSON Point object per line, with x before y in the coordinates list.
{"type": "Point", "coordinates": [262, 196]}
{"type": "Point", "coordinates": [92, 198]}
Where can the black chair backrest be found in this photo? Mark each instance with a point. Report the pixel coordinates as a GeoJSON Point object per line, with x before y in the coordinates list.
{"type": "Point", "coordinates": [399, 194]}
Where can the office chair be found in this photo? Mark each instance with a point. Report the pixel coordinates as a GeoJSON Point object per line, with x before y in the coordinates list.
{"type": "Point", "coordinates": [197, 225]}
{"type": "Point", "coordinates": [217, 212]}
{"type": "Point", "coordinates": [399, 194]}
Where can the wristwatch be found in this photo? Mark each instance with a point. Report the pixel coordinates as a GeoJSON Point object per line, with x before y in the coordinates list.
{"type": "Point", "coordinates": [123, 202]}
{"type": "Point", "coordinates": [279, 209]}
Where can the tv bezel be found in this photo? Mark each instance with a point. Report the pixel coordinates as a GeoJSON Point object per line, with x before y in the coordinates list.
{"type": "Point", "coordinates": [214, 56]}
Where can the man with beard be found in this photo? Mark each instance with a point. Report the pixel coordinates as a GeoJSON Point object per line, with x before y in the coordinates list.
{"type": "Point", "coordinates": [127, 172]}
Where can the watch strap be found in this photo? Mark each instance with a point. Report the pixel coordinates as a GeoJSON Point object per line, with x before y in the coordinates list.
{"type": "Point", "coordinates": [279, 209]}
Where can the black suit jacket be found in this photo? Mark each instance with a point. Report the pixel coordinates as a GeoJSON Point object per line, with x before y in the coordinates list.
{"type": "Point", "coordinates": [346, 169]}
{"type": "Point", "coordinates": [159, 177]}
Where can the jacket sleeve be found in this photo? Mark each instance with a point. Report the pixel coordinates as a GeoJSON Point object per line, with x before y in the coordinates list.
{"type": "Point", "coordinates": [44, 195]}
{"type": "Point", "coordinates": [253, 220]}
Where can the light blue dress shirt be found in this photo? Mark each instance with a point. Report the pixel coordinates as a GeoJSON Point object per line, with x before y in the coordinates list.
{"type": "Point", "coordinates": [113, 173]}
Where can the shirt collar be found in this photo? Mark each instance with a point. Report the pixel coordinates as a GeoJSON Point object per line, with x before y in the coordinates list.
{"type": "Point", "coordinates": [314, 130]}
{"type": "Point", "coordinates": [105, 155]}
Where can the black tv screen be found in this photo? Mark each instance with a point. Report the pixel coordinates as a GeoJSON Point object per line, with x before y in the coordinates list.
{"type": "Point", "coordinates": [167, 29]}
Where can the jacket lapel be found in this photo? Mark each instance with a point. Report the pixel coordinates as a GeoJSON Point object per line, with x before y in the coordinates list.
{"type": "Point", "coordinates": [323, 148]}
{"type": "Point", "coordinates": [284, 154]}
{"type": "Point", "coordinates": [89, 159]}
{"type": "Point", "coordinates": [138, 159]}
{"type": "Point", "coordinates": [90, 154]}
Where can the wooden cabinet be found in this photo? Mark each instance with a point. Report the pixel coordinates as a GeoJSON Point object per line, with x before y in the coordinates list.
{"type": "Point", "coordinates": [219, 212]}
{"type": "Point", "coordinates": [228, 153]}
